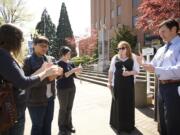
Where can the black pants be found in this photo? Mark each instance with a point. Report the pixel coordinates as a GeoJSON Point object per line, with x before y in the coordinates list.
{"type": "Point", "coordinates": [66, 99]}
{"type": "Point", "coordinates": [169, 109]}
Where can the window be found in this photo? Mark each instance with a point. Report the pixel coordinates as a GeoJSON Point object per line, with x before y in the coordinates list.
{"type": "Point", "coordinates": [119, 25]}
{"type": "Point", "coordinates": [112, 13]}
{"type": "Point", "coordinates": [97, 25]}
{"type": "Point", "coordinates": [118, 10]}
{"type": "Point", "coordinates": [135, 3]}
{"type": "Point", "coordinates": [134, 20]}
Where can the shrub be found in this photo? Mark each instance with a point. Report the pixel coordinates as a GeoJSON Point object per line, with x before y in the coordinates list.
{"type": "Point", "coordinates": [81, 60]}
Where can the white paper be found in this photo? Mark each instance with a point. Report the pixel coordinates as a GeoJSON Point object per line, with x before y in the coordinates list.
{"type": "Point", "coordinates": [179, 90]}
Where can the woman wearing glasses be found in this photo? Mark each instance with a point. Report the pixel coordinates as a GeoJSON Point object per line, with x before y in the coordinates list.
{"type": "Point", "coordinates": [121, 82]}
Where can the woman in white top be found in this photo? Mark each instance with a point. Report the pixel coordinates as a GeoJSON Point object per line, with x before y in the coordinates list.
{"type": "Point", "coordinates": [121, 82]}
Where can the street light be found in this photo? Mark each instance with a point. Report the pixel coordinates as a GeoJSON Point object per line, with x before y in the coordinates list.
{"type": "Point", "coordinates": [45, 13]}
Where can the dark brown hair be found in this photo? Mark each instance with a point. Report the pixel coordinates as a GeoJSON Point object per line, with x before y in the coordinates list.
{"type": "Point", "coordinates": [64, 50]}
{"type": "Point", "coordinates": [11, 38]}
{"type": "Point", "coordinates": [40, 39]}
{"type": "Point", "coordinates": [170, 23]}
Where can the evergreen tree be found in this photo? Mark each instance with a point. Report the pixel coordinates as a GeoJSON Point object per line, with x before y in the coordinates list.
{"type": "Point", "coordinates": [64, 33]}
{"type": "Point", "coordinates": [123, 34]}
{"type": "Point", "coordinates": [47, 28]}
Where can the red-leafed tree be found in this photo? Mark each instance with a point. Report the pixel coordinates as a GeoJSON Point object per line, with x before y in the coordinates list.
{"type": "Point", "coordinates": [153, 12]}
{"type": "Point", "coordinates": [88, 45]}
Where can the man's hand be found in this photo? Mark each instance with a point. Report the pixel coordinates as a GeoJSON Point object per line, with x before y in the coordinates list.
{"type": "Point", "coordinates": [148, 67]}
{"type": "Point", "coordinates": [140, 59]}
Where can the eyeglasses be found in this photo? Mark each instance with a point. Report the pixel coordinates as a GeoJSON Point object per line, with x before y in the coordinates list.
{"type": "Point", "coordinates": [121, 48]}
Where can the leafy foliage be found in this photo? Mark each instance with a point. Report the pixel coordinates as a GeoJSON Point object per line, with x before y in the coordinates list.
{"type": "Point", "coordinates": [153, 12]}
{"type": "Point", "coordinates": [64, 32]}
{"type": "Point", "coordinates": [81, 60]}
{"type": "Point", "coordinates": [13, 11]}
{"type": "Point", "coordinates": [123, 34]}
{"type": "Point", "coordinates": [47, 28]}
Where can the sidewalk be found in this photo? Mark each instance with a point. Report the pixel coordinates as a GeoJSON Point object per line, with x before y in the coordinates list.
{"type": "Point", "coordinates": [91, 113]}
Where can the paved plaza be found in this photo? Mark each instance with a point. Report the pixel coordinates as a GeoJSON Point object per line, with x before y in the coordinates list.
{"type": "Point", "coordinates": [91, 113]}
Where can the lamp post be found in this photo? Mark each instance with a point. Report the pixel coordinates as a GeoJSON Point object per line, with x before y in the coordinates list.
{"type": "Point", "coordinates": [45, 13]}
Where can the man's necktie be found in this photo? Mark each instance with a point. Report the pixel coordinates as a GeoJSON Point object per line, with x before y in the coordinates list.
{"type": "Point", "coordinates": [163, 54]}
{"type": "Point", "coordinates": [167, 47]}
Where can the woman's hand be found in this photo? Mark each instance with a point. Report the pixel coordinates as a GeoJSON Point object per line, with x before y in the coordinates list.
{"type": "Point", "coordinates": [53, 70]}
{"type": "Point", "coordinates": [126, 73]}
{"type": "Point", "coordinates": [109, 85]}
{"type": "Point", "coordinates": [53, 77]}
{"type": "Point", "coordinates": [77, 70]}
{"type": "Point", "coordinates": [45, 65]}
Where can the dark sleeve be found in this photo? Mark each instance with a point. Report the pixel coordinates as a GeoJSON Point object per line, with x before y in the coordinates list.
{"type": "Point", "coordinates": [73, 66]}
{"type": "Point", "coordinates": [27, 67]}
{"type": "Point", "coordinates": [11, 72]}
{"type": "Point", "coordinates": [60, 64]}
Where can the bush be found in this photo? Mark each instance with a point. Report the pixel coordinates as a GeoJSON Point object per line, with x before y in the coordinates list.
{"type": "Point", "coordinates": [123, 34]}
{"type": "Point", "coordinates": [81, 60]}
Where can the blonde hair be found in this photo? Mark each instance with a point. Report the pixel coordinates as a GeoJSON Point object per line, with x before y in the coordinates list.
{"type": "Point", "coordinates": [128, 48]}
{"type": "Point", "coordinates": [21, 55]}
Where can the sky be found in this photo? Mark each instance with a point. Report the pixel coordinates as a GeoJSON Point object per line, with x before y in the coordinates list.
{"type": "Point", "coordinates": [78, 12]}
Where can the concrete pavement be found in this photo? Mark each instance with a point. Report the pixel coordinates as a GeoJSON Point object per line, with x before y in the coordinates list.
{"type": "Point", "coordinates": [91, 113]}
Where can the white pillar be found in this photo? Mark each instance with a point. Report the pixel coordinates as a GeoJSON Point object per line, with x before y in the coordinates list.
{"type": "Point", "coordinates": [103, 44]}
{"type": "Point", "coordinates": [77, 47]}
{"type": "Point", "coordinates": [148, 75]}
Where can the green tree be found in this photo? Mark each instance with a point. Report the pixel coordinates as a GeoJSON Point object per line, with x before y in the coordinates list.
{"type": "Point", "coordinates": [123, 34]}
{"type": "Point", "coordinates": [13, 11]}
{"type": "Point", "coordinates": [47, 28]}
{"type": "Point", "coordinates": [64, 32]}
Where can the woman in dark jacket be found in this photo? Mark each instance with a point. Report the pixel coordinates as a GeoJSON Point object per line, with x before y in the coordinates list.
{"type": "Point", "coordinates": [11, 38]}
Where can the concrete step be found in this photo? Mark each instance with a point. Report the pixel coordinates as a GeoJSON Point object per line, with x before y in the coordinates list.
{"type": "Point", "coordinates": [95, 74]}
{"type": "Point", "coordinates": [93, 81]}
{"type": "Point", "coordinates": [92, 71]}
{"type": "Point", "coordinates": [91, 76]}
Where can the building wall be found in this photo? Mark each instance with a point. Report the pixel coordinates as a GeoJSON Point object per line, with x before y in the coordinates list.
{"type": "Point", "coordinates": [111, 14]}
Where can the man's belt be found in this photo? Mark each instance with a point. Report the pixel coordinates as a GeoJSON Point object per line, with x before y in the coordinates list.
{"type": "Point", "coordinates": [169, 81]}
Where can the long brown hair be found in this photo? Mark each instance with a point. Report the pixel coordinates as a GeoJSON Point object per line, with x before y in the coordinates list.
{"type": "Point", "coordinates": [11, 38]}
{"type": "Point", "coordinates": [128, 48]}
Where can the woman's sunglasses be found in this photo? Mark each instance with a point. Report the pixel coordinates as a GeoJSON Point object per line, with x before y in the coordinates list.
{"type": "Point", "coordinates": [121, 48]}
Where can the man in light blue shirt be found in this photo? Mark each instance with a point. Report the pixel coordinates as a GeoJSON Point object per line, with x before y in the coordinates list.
{"type": "Point", "coordinates": [166, 65]}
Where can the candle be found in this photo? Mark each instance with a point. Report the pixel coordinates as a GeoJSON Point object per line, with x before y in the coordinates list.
{"type": "Point", "coordinates": [124, 68]}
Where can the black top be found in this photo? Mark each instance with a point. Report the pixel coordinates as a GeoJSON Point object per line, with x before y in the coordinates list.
{"type": "Point", "coordinates": [13, 73]}
{"type": "Point", "coordinates": [128, 64]}
{"type": "Point", "coordinates": [66, 82]}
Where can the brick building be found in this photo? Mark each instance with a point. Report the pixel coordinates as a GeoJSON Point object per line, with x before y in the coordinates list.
{"type": "Point", "coordinates": [106, 17]}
